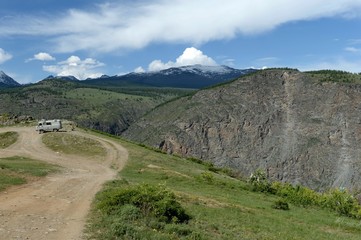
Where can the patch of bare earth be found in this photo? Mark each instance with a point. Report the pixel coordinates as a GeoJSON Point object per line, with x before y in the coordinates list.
{"type": "Point", "coordinates": [56, 206]}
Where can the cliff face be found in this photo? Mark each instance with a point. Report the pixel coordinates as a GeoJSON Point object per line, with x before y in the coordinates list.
{"type": "Point", "coordinates": [286, 122]}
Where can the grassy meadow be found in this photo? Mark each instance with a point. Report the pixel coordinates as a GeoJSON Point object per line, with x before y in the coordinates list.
{"type": "Point", "coordinates": [73, 144]}
{"type": "Point", "coordinates": [18, 170]}
{"type": "Point", "coordinates": [219, 207]}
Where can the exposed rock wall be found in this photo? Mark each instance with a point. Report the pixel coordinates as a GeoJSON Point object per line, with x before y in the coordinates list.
{"type": "Point", "coordinates": [296, 128]}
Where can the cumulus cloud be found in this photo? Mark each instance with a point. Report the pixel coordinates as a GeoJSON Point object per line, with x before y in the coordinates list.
{"type": "Point", "coordinates": [41, 56]}
{"type": "Point", "coordinates": [74, 66]}
{"type": "Point", "coordinates": [353, 50]}
{"type": "Point", "coordinates": [190, 56]}
{"type": "Point", "coordinates": [4, 56]}
{"type": "Point", "coordinates": [135, 24]}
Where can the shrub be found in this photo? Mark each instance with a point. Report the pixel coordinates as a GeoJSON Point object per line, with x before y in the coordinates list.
{"type": "Point", "coordinates": [129, 212]}
{"type": "Point", "coordinates": [296, 194]}
{"type": "Point", "coordinates": [281, 204]}
{"type": "Point", "coordinates": [214, 169]}
{"type": "Point", "coordinates": [259, 182]}
{"type": "Point", "coordinates": [338, 200]}
{"type": "Point", "coordinates": [342, 202]}
{"type": "Point", "coordinates": [208, 177]}
{"type": "Point", "coordinates": [151, 200]}
{"type": "Point", "coordinates": [122, 229]}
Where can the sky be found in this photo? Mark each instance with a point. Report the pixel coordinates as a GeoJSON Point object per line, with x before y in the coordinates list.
{"type": "Point", "coordinates": [89, 38]}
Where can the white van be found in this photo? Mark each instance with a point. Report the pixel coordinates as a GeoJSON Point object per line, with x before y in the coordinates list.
{"type": "Point", "coordinates": [49, 125]}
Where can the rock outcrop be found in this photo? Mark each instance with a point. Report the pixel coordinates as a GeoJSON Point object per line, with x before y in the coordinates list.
{"type": "Point", "coordinates": [295, 127]}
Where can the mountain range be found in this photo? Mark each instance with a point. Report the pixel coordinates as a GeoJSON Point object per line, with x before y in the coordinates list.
{"type": "Point", "coordinates": [194, 76]}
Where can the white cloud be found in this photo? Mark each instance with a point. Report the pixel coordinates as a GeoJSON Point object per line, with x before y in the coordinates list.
{"type": "Point", "coordinates": [4, 56]}
{"type": "Point", "coordinates": [135, 24]}
{"type": "Point", "coordinates": [139, 70]}
{"type": "Point", "coordinates": [44, 57]}
{"type": "Point", "coordinates": [190, 56]}
{"type": "Point", "coordinates": [353, 50]}
{"type": "Point", "coordinates": [338, 63]}
{"type": "Point", "coordinates": [41, 56]}
{"type": "Point", "coordinates": [74, 66]}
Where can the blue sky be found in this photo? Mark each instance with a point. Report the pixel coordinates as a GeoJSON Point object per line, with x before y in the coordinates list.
{"type": "Point", "coordinates": [88, 38]}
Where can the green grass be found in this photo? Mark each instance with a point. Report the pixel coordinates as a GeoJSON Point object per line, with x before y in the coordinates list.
{"type": "Point", "coordinates": [220, 207]}
{"type": "Point", "coordinates": [18, 170]}
{"type": "Point", "coordinates": [72, 144]}
{"type": "Point", "coordinates": [7, 139]}
{"type": "Point", "coordinates": [99, 96]}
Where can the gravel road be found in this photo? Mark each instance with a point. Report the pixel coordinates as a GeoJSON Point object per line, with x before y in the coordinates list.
{"type": "Point", "coordinates": [56, 206]}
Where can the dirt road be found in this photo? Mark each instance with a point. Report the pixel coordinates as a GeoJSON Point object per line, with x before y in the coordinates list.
{"type": "Point", "coordinates": [56, 206]}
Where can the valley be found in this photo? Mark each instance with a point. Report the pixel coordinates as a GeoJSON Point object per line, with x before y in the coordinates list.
{"type": "Point", "coordinates": [300, 127]}
{"type": "Point", "coordinates": [180, 120]}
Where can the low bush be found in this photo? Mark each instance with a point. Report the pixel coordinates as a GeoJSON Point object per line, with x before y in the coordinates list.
{"type": "Point", "coordinates": [281, 204]}
{"type": "Point", "coordinates": [259, 182]}
{"type": "Point", "coordinates": [151, 200]}
{"type": "Point", "coordinates": [208, 177]}
{"type": "Point", "coordinates": [338, 200]}
{"type": "Point", "coordinates": [298, 195]}
{"type": "Point", "coordinates": [341, 201]}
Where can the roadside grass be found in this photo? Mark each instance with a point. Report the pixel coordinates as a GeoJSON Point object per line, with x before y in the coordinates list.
{"type": "Point", "coordinates": [7, 139]}
{"type": "Point", "coordinates": [220, 207]}
{"type": "Point", "coordinates": [72, 144]}
{"type": "Point", "coordinates": [18, 170]}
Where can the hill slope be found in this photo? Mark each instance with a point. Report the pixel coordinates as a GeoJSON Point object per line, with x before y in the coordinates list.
{"type": "Point", "coordinates": [220, 207]}
{"type": "Point", "coordinates": [298, 127]}
{"type": "Point", "coordinates": [109, 109]}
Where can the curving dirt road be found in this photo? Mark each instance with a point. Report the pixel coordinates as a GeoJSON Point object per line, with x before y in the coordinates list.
{"type": "Point", "coordinates": [56, 206]}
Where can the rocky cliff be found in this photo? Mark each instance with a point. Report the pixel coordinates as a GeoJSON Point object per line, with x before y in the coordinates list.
{"type": "Point", "coordinates": [294, 126]}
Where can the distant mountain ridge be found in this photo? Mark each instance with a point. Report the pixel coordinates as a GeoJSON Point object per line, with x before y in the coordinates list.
{"type": "Point", "coordinates": [65, 78]}
{"type": "Point", "coordinates": [6, 81]}
{"type": "Point", "coordinates": [193, 76]}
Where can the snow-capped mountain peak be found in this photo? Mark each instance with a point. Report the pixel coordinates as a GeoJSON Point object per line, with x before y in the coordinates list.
{"type": "Point", "coordinates": [193, 76]}
{"type": "Point", "coordinates": [207, 69]}
{"type": "Point", "coordinates": [216, 71]}
{"type": "Point", "coordinates": [7, 81]}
